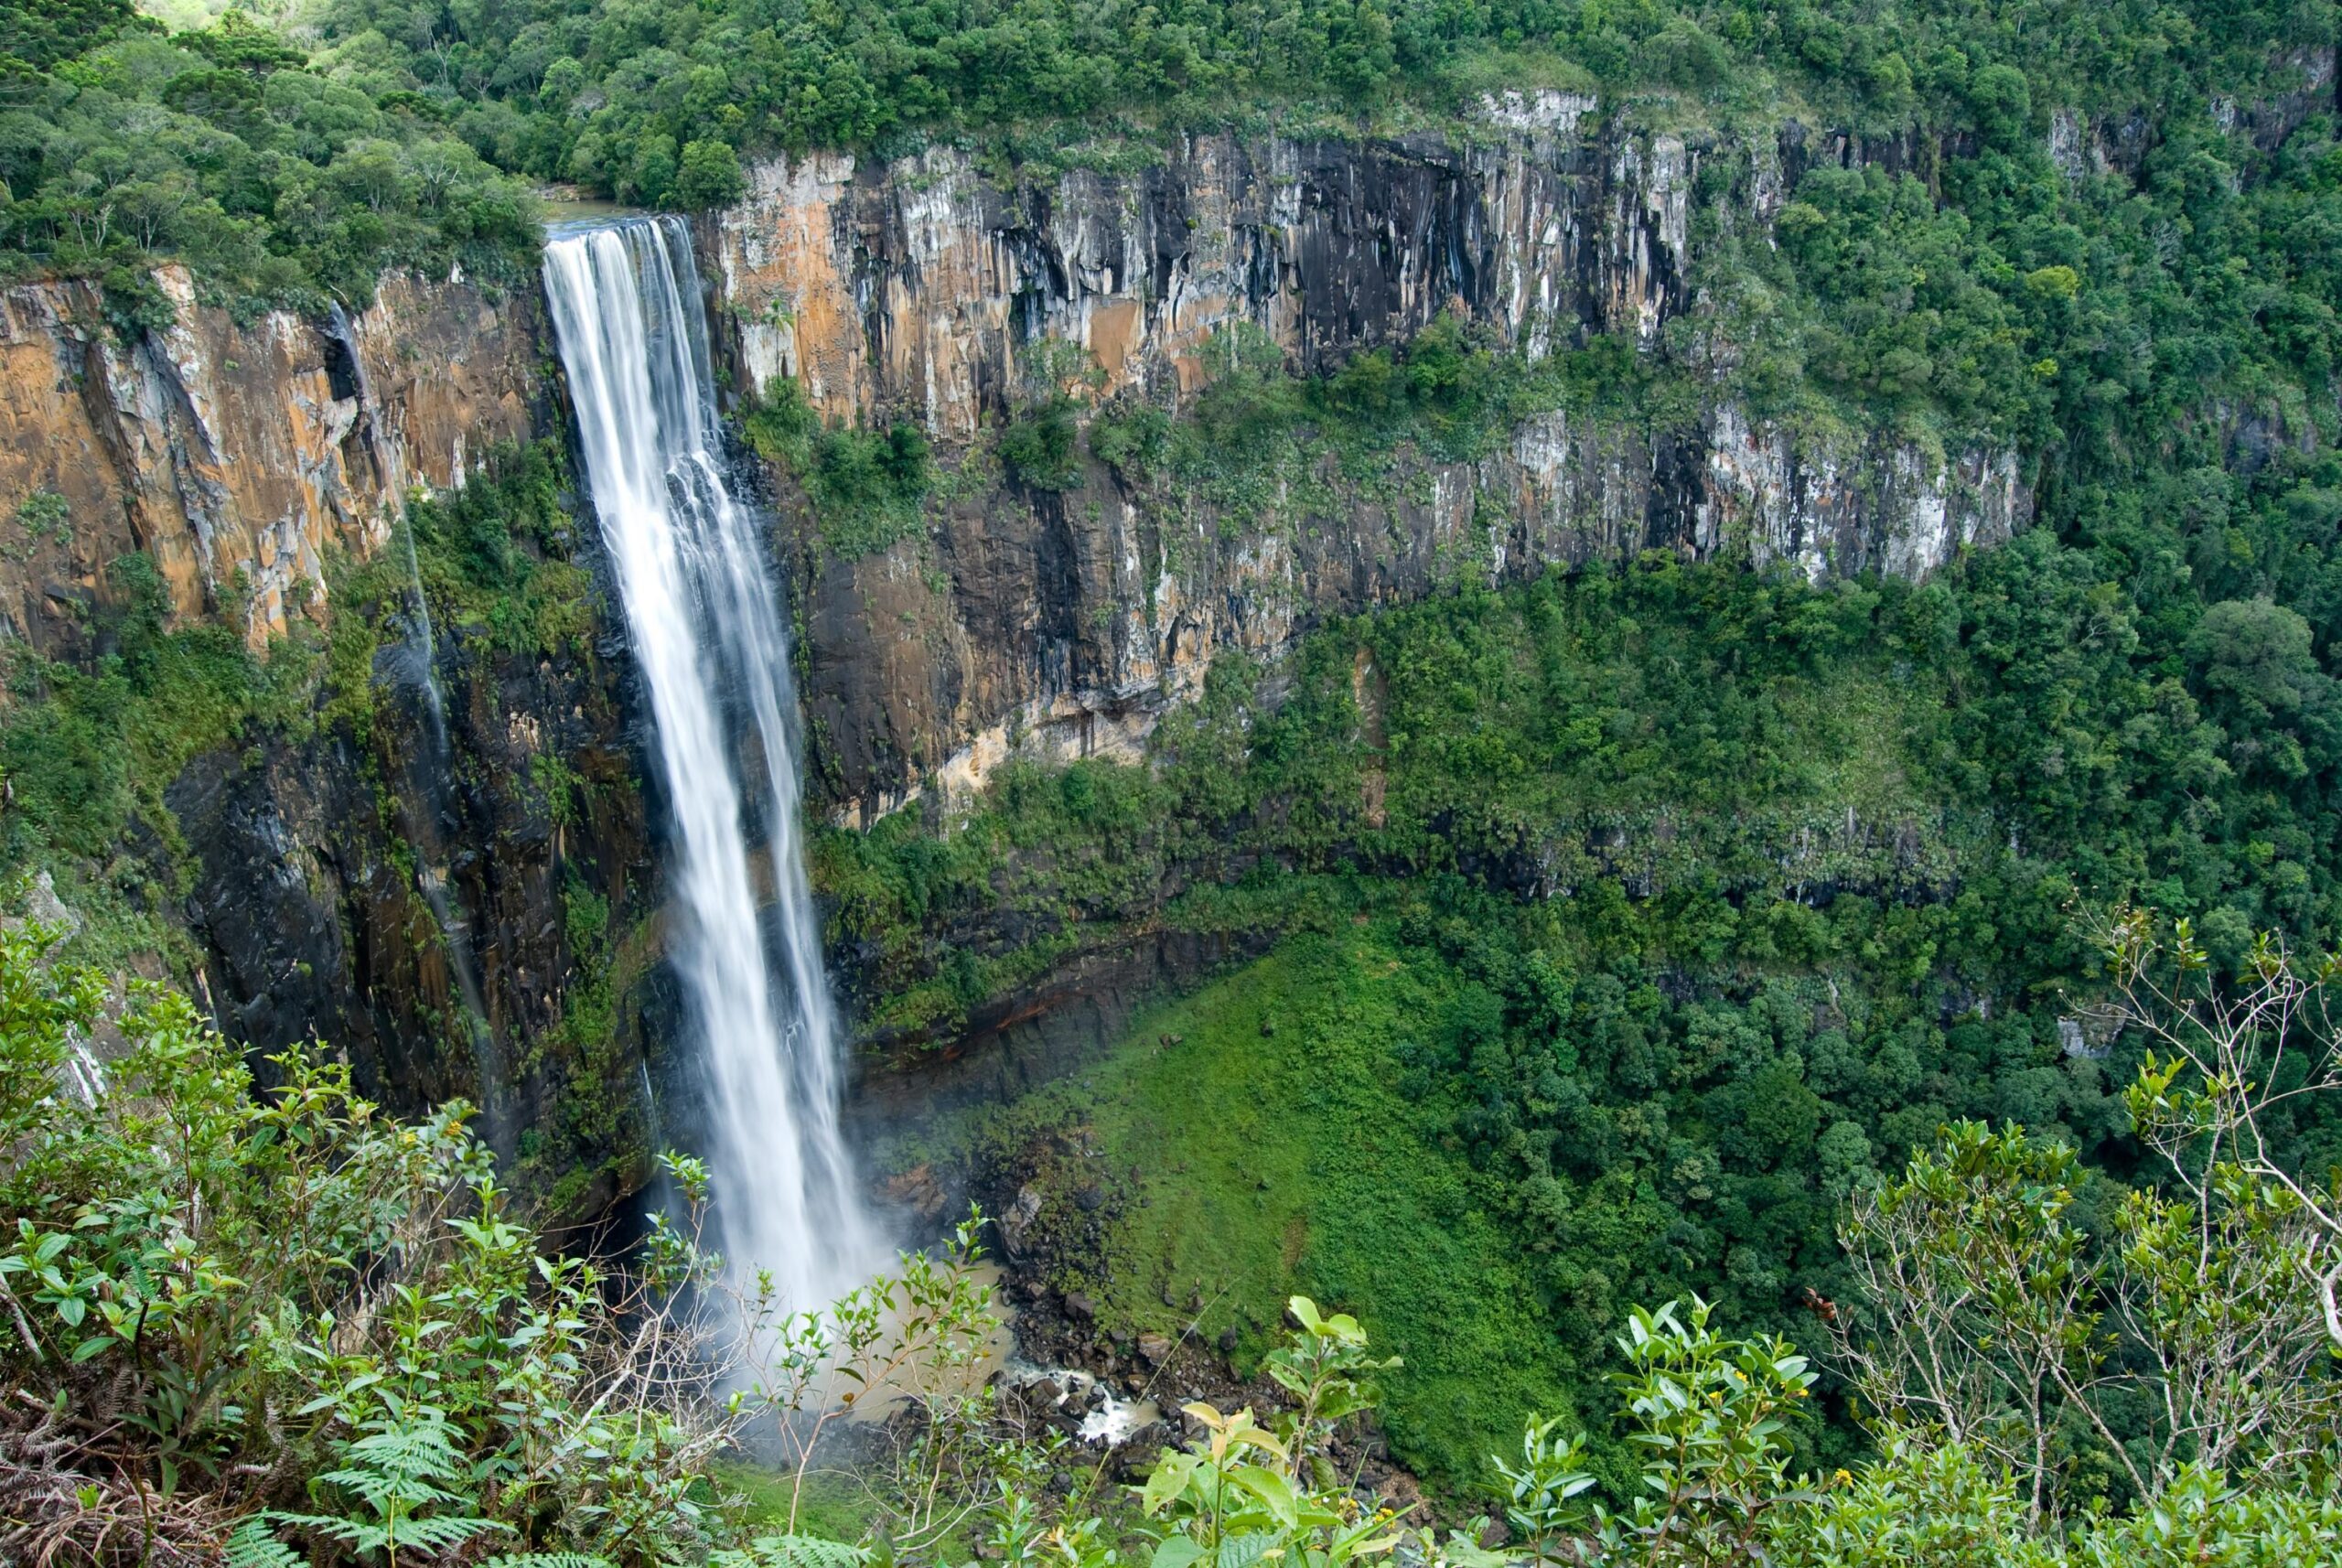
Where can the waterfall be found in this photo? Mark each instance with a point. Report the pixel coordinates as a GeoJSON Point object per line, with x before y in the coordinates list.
{"type": "Point", "coordinates": [704, 613]}
{"type": "Point", "coordinates": [426, 828]}
{"type": "Point", "coordinates": [422, 819]}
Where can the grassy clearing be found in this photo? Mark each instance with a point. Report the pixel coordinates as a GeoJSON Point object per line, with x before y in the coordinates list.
{"type": "Point", "coordinates": [834, 1505]}
{"type": "Point", "coordinates": [1290, 1160]}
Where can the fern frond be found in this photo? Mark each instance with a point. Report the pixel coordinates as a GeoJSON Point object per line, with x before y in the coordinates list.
{"type": "Point", "coordinates": [252, 1544]}
{"type": "Point", "coordinates": [380, 1490]}
{"type": "Point", "coordinates": [438, 1534]}
{"type": "Point", "coordinates": [546, 1560]}
{"type": "Point", "coordinates": [357, 1534]}
{"type": "Point", "coordinates": [804, 1552]}
{"type": "Point", "coordinates": [423, 1453]}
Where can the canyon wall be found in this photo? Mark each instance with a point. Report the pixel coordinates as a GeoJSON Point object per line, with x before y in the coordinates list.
{"type": "Point", "coordinates": [412, 893]}
{"type": "Point", "coordinates": [443, 889]}
{"type": "Point", "coordinates": [236, 455]}
{"type": "Point", "coordinates": [1062, 621]}
{"type": "Point", "coordinates": [421, 895]}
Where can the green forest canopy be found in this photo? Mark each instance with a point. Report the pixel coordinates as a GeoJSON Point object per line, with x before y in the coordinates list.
{"type": "Point", "coordinates": [1670, 1079]}
{"type": "Point", "coordinates": [119, 145]}
{"type": "Point", "coordinates": [609, 92]}
{"type": "Point", "coordinates": [281, 173]}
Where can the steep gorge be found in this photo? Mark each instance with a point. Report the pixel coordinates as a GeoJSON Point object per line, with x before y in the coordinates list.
{"type": "Point", "coordinates": [1058, 621]}
{"type": "Point", "coordinates": [1063, 620]}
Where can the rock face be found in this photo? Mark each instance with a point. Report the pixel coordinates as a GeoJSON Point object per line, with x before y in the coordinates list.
{"type": "Point", "coordinates": [415, 900]}
{"type": "Point", "coordinates": [1061, 622]}
{"type": "Point", "coordinates": [385, 890]}
{"type": "Point", "coordinates": [235, 456]}
{"type": "Point", "coordinates": [908, 287]}
{"type": "Point", "coordinates": [420, 891]}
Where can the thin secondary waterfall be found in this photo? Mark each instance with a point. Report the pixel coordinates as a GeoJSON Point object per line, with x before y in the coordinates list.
{"type": "Point", "coordinates": [704, 612]}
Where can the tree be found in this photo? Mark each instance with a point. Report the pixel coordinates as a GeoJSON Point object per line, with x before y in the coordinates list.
{"type": "Point", "coordinates": [2199, 1333]}
{"type": "Point", "coordinates": [2223, 1102]}
{"type": "Point", "coordinates": [1977, 1315]}
{"type": "Point", "coordinates": [1710, 1414]}
{"type": "Point", "coordinates": [2003, 102]}
{"type": "Point", "coordinates": [709, 175]}
{"type": "Point", "coordinates": [2256, 662]}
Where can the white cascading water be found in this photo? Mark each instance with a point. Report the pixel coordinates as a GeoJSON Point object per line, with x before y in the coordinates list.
{"type": "Point", "coordinates": [706, 617]}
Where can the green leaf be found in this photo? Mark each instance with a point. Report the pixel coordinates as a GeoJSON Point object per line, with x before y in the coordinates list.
{"type": "Point", "coordinates": [1176, 1551]}
{"type": "Point", "coordinates": [1273, 1490]}
{"type": "Point", "coordinates": [1462, 1551]}
{"type": "Point", "coordinates": [1242, 1550]}
{"type": "Point", "coordinates": [1170, 1478]}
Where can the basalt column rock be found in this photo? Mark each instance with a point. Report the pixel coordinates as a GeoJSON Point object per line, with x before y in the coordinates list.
{"type": "Point", "coordinates": [233, 456]}
{"type": "Point", "coordinates": [908, 288]}
{"type": "Point", "coordinates": [1061, 621]}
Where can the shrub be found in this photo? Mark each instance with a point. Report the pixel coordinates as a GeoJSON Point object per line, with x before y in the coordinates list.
{"type": "Point", "coordinates": [710, 176]}
{"type": "Point", "coordinates": [867, 487]}
{"type": "Point", "coordinates": [241, 1291]}
{"type": "Point", "coordinates": [1039, 447]}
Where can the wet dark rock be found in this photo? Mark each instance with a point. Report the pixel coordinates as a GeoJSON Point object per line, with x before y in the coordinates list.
{"type": "Point", "coordinates": [919, 1191]}
{"type": "Point", "coordinates": [313, 926]}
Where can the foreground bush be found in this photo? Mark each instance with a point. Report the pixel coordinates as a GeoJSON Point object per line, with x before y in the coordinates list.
{"type": "Point", "coordinates": [221, 1301]}
{"type": "Point", "coordinates": [271, 1326]}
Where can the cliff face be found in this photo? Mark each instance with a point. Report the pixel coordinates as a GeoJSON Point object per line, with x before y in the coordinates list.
{"type": "Point", "coordinates": [1062, 621]}
{"type": "Point", "coordinates": [235, 456]}
{"type": "Point", "coordinates": [423, 902]}
{"type": "Point", "coordinates": [441, 890]}
{"type": "Point", "coordinates": [415, 892]}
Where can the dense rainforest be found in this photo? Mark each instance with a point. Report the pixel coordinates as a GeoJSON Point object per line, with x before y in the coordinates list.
{"type": "Point", "coordinates": [278, 183]}
{"type": "Point", "coordinates": [1641, 932]}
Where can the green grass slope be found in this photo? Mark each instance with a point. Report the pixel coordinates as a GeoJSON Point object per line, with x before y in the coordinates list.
{"type": "Point", "coordinates": [1271, 1162]}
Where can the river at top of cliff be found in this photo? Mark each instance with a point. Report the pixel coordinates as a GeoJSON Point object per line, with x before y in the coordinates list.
{"type": "Point", "coordinates": [568, 208]}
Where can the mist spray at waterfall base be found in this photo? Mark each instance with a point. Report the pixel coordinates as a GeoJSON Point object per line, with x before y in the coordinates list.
{"type": "Point", "coordinates": [703, 610]}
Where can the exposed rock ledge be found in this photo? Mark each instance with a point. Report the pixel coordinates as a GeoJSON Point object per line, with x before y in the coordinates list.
{"type": "Point", "coordinates": [235, 456]}
{"type": "Point", "coordinates": [1062, 623]}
